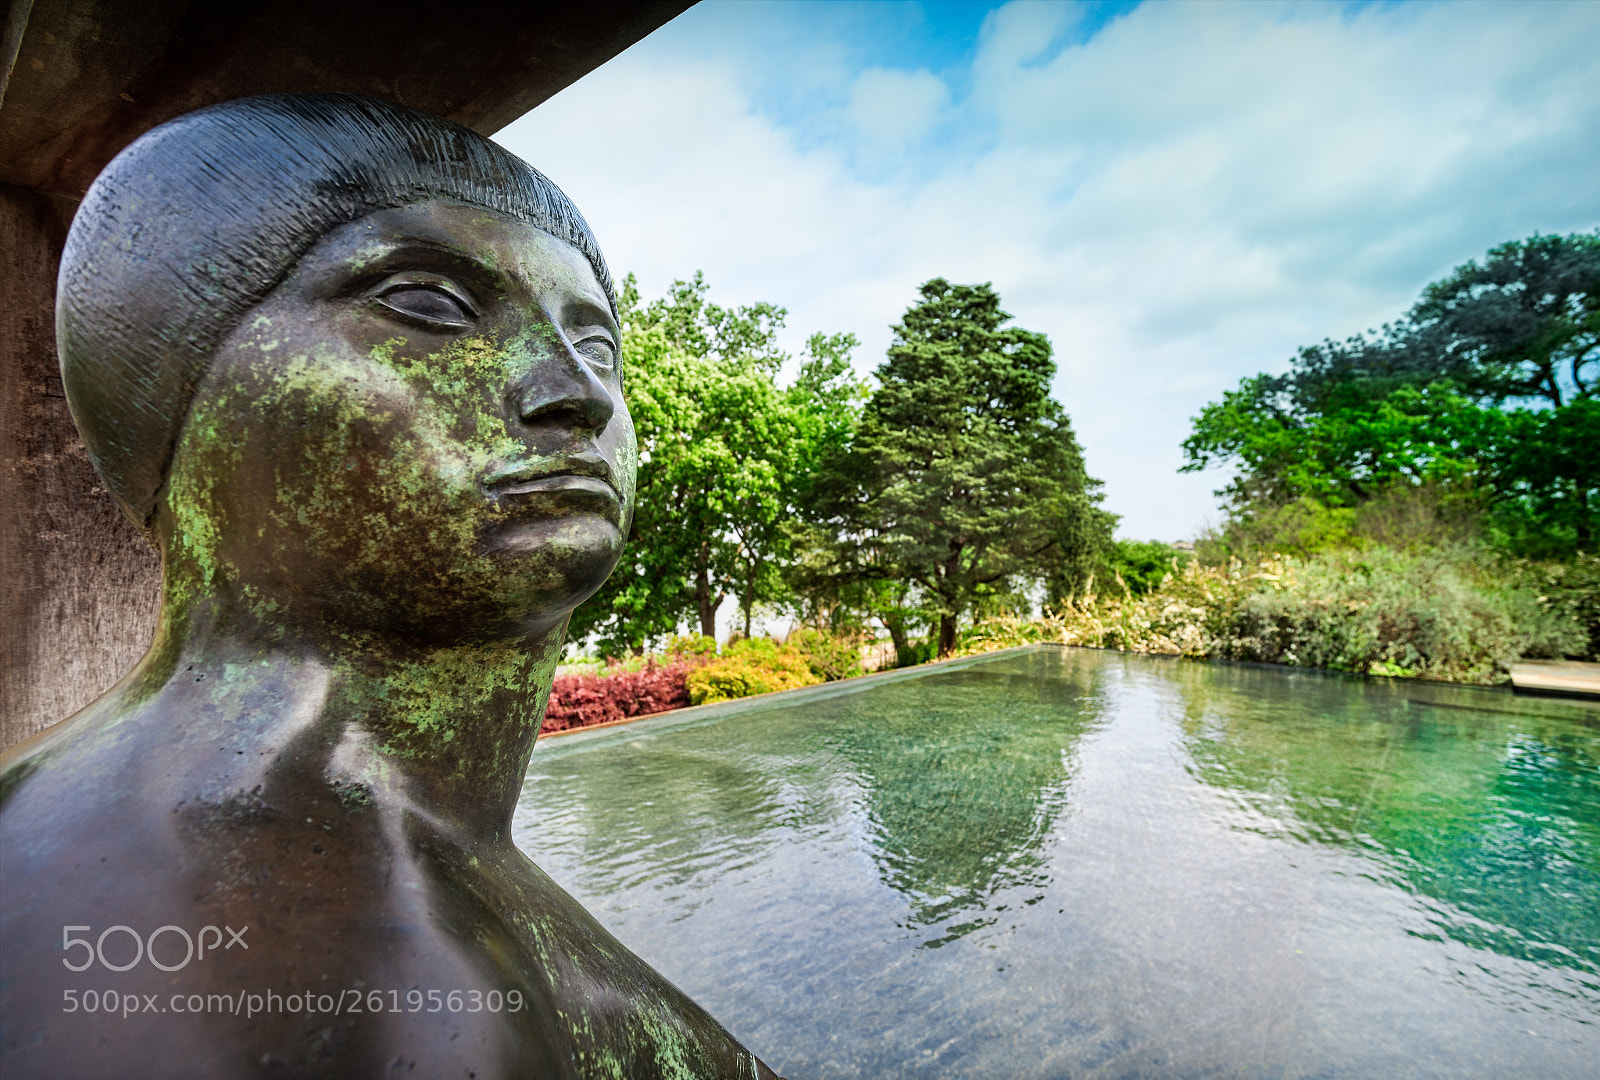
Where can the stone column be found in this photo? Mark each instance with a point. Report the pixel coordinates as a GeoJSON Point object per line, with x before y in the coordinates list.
{"type": "Point", "coordinates": [79, 586]}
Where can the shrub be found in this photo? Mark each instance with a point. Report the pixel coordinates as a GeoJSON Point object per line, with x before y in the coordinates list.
{"type": "Point", "coordinates": [582, 700]}
{"type": "Point", "coordinates": [751, 666]}
{"type": "Point", "coordinates": [1444, 614]}
{"type": "Point", "coordinates": [1570, 588]}
{"type": "Point", "coordinates": [1457, 613]}
{"type": "Point", "coordinates": [1005, 631]}
{"type": "Point", "coordinates": [693, 648]}
{"type": "Point", "coordinates": [829, 656]}
{"type": "Point", "coordinates": [689, 671]}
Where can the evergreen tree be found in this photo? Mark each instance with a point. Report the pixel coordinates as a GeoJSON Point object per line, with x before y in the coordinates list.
{"type": "Point", "coordinates": [964, 477]}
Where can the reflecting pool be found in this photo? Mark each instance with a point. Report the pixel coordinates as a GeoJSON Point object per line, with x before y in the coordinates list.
{"type": "Point", "coordinates": [1064, 862]}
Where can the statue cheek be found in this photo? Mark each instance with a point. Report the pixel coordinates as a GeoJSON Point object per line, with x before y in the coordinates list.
{"type": "Point", "coordinates": [627, 466]}
{"type": "Point", "coordinates": [380, 488]}
{"type": "Point", "coordinates": [345, 474]}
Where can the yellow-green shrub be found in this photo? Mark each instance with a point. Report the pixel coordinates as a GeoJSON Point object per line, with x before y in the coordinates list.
{"type": "Point", "coordinates": [691, 647]}
{"type": "Point", "coordinates": [751, 666]}
{"type": "Point", "coordinates": [829, 656]}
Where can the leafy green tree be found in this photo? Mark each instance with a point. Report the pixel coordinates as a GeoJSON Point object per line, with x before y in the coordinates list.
{"type": "Point", "coordinates": [1546, 468]}
{"type": "Point", "coordinates": [1434, 401]}
{"type": "Point", "coordinates": [1339, 456]}
{"type": "Point", "coordinates": [1142, 565]}
{"type": "Point", "coordinates": [723, 441]}
{"type": "Point", "coordinates": [725, 455]}
{"type": "Point", "coordinates": [963, 474]}
{"type": "Point", "coordinates": [778, 449]}
{"type": "Point", "coordinates": [699, 381]}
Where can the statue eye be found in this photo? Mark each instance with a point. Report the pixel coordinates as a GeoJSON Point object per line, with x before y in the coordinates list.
{"type": "Point", "coordinates": [598, 350]}
{"type": "Point", "coordinates": [428, 304]}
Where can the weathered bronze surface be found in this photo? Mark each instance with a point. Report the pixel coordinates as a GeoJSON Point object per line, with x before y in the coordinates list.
{"type": "Point", "coordinates": [356, 370]}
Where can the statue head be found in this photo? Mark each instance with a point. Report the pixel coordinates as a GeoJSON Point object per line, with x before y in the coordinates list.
{"type": "Point", "coordinates": [350, 364]}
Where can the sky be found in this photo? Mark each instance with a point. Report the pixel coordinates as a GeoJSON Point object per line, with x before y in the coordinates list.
{"type": "Point", "coordinates": [1178, 194]}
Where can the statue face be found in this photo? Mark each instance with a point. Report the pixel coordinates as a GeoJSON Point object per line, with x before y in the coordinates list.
{"type": "Point", "coordinates": [421, 430]}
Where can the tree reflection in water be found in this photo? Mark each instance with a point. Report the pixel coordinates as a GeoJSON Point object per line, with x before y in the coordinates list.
{"type": "Point", "coordinates": [962, 796]}
{"type": "Point", "coordinates": [1491, 812]}
{"type": "Point", "coordinates": [958, 798]}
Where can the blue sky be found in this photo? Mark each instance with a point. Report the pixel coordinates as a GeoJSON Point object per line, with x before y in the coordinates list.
{"type": "Point", "coordinates": [1178, 194]}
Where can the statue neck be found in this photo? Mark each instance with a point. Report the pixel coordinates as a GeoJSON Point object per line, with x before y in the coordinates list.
{"type": "Point", "coordinates": [443, 729]}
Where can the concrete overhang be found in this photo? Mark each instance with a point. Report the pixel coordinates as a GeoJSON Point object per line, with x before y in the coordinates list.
{"type": "Point", "coordinates": [81, 79]}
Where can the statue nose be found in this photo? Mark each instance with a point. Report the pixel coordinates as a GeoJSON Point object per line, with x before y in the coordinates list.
{"type": "Point", "coordinates": [562, 392]}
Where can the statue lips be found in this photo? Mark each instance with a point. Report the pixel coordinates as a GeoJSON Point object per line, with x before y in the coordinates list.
{"type": "Point", "coordinates": [583, 479]}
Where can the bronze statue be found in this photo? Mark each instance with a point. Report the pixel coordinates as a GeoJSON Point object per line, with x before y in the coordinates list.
{"type": "Point", "coordinates": [355, 370]}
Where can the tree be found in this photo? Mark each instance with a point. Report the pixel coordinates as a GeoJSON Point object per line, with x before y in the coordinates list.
{"type": "Point", "coordinates": [725, 456]}
{"type": "Point", "coordinates": [1546, 468]}
{"type": "Point", "coordinates": [843, 575]}
{"type": "Point", "coordinates": [699, 382]}
{"type": "Point", "coordinates": [782, 447]}
{"type": "Point", "coordinates": [1523, 324]}
{"type": "Point", "coordinates": [963, 474]}
{"type": "Point", "coordinates": [1434, 400]}
{"type": "Point", "coordinates": [1340, 455]}
{"type": "Point", "coordinates": [1142, 565]}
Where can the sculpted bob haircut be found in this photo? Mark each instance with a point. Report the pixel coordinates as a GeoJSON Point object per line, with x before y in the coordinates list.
{"type": "Point", "coordinates": [198, 220]}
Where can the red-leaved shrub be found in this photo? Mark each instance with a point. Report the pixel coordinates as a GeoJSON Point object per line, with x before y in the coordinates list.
{"type": "Point", "coordinates": [583, 700]}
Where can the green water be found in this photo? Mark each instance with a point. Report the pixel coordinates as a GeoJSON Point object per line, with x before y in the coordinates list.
{"type": "Point", "coordinates": [1075, 863]}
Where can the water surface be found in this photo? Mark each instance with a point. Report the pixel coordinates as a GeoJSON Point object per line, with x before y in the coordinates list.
{"type": "Point", "coordinates": [1076, 863]}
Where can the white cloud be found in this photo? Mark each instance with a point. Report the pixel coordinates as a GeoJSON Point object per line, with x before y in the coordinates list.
{"type": "Point", "coordinates": [891, 110]}
{"type": "Point", "coordinates": [1016, 35]}
{"type": "Point", "coordinates": [1182, 200]}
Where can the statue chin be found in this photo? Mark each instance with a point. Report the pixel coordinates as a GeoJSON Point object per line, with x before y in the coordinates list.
{"type": "Point", "coordinates": [541, 570]}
